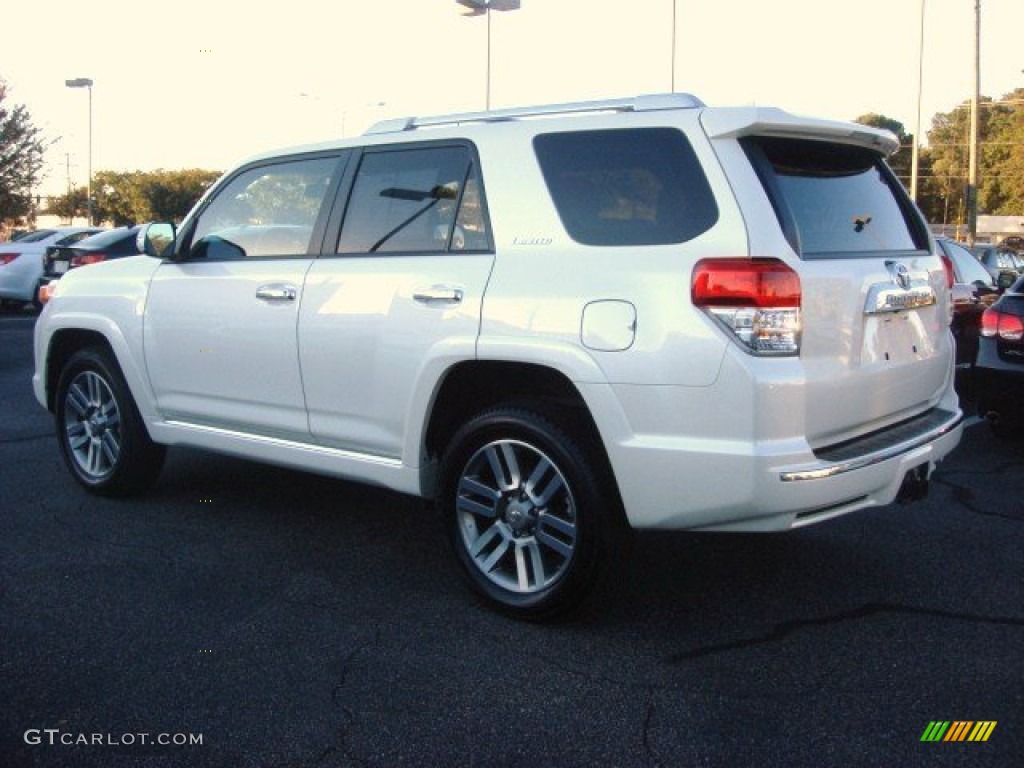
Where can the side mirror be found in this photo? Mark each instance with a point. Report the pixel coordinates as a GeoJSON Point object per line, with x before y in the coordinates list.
{"type": "Point", "coordinates": [156, 239]}
{"type": "Point", "coordinates": [1006, 279]}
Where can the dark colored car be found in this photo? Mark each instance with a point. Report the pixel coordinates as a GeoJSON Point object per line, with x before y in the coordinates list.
{"type": "Point", "coordinates": [999, 371]}
{"type": "Point", "coordinates": [111, 244]}
{"type": "Point", "coordinates": [1000, 262]}
{"type": "Point", "coordinates": [973, 291]}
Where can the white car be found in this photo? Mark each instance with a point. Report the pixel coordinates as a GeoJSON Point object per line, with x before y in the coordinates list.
{"type": "Point", "coordinates": [560, 323]}
{"type": "Point", "coordinates": [21, 261]}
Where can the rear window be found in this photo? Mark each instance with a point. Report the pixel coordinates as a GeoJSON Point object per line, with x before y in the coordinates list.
{"type": "Point", "coordinates": [641, 186]}
{"type": "Point", "coordinates": [109, 238]}
{"type": "Point", "coordinates": [35, 237]}
{"type": "Point", "coordinates": [833, 199]}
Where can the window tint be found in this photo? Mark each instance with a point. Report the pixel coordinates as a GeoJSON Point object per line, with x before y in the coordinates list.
{"type": "Point", "coordinates": [72, 239]}
{"type": "Point", "coordinates": [406, 200]}
{"type": "Point", "coordinates": [265, 211]}
{"type": "Point", "coordinates": [839, 197]}
{"type": "Point", "coordinates": [35, 237]}
{"type": "Point", "coordinates": [109, 238]}
{"type": "Point", "coordinates": [639, 186]}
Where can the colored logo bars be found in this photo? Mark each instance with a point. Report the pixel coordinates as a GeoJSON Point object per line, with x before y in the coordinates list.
{"type": "Point", "coordinates": [958, 730]}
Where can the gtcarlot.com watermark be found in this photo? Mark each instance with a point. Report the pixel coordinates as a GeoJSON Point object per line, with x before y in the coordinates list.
{"type": "Point", "coordinates": [56, 737]}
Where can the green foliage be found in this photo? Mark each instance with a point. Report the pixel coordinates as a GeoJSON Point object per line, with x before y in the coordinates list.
{"type": "Point", "coordinates": [21, 159]}
{"type": "Point", "coordinates": [123, 198]}
{"type": "Point", "coordinates": [1000, 158]}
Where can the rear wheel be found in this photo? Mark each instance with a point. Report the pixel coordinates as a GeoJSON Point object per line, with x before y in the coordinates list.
{"type": "Point", "coordinates": [535, 525]}
{"type": "Point", "coordinates": [102, 437]}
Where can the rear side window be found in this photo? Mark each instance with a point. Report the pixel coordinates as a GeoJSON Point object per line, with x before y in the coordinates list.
{"type": "Point", "coordinates": [640, 186]}
{"type": "Point", "coordinates": [834, 199]}
{"type": "Point", "coordinates": [417, 200]}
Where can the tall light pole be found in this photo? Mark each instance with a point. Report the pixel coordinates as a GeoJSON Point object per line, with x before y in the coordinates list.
{"type": "Point", "coordinates": [673, 78]}
{"type": "Point", "coordinates": [484, 8]}
{"type": "Point", "coordinates": [916, 151]}
{"type": "Point", "coordinates": [972, 170]}
{"type": "Point", "coordinates": [85, 82]}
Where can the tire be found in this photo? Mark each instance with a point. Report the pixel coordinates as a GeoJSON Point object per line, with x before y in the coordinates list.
{"type": "Point", "coordinates": [101, 434]}
{"type": "Point", "coordinates": [533, 515]}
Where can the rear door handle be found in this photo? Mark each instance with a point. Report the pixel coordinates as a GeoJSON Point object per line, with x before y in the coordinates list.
{"type": "Point", "coordinates": [438, 294]}
{"type": "Point", "coordinates": [277, 292]}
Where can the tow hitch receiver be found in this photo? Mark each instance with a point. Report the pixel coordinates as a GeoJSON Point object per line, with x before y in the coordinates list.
{"type": "Point", "coordinates": [914, 486]}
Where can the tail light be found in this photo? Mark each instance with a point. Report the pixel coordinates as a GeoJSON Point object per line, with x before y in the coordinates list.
{"type": "Point", "coordinates": [947, 264]}
{"type": "Point", "coordinates": [85, 259]}
{"type": "Point", "coordinates": [757, 300]}
{"type": "Point", "coordinates": [1001, 324]}
{"type": "Point", "coordinates": [7, 258]}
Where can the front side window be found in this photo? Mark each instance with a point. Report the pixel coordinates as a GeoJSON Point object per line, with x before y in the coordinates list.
{"type": "Point", "coordinates": [421, 200]}
{"type": "Point", "coordinates": [640, 186]}
{"type": "Point", "coordinates": [265, 211]}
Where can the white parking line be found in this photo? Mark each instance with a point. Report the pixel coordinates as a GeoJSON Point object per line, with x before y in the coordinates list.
{"type": "Point", "coordinates": [972, 421]}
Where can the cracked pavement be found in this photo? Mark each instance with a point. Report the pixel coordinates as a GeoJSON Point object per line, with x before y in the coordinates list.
{"type": "Point", "coordinates": [296, 621]}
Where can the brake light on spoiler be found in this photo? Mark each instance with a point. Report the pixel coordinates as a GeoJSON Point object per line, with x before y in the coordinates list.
{"type": "Point", "coordinates": [757, 300]}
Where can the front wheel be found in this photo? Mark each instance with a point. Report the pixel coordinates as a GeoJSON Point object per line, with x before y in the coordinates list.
{"type": "Point", "coordinates": [102, 437]}
{"type": "Point", "coordinates": [535, 524]}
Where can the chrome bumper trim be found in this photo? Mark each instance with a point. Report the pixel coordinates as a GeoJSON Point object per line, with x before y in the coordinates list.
{"type": "Point", "coordinates": [875, 457]}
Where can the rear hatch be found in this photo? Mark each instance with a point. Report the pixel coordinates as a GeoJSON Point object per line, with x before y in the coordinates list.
{"type": "Point", "coordinates": [875, 346]}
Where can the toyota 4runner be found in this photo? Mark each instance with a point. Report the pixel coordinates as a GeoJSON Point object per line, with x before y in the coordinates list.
{"type": "Point", "coordinates": [561, 323]}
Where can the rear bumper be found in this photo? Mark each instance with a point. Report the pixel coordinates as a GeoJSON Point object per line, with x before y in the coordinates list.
{"type": "Point", "coordinates": [703, 483]}
{"type": "Point", "coordinates": [999, 384]}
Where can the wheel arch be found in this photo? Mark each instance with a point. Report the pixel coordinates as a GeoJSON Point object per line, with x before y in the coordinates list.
{"type": "Point", "coordinates": [65, 340]}
{"type": "Point", "coordinates": [472, 386]}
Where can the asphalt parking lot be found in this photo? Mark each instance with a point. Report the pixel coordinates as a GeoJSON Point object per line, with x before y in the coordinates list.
{"type": "Point", "coordinates": [289, 620]}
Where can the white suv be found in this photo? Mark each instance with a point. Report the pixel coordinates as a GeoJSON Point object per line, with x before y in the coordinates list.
{"type": "Point", "coordinates": [561, 323]}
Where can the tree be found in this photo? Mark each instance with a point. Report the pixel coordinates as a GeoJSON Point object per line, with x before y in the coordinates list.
{"type": "Point", "coordinates": [1000, 157]}
{"type": "Point", "coordinates": [122, 198]}
{"type": "Point", "coordinates": [21, 159]}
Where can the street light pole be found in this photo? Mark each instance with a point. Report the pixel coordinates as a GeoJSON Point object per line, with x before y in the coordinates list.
{"type": "Point", "coordinates": [85, 82]}
{"type": "Point", "coordinates": [916, 152]}
{"type": "Point", "coordinates": [673, 78]}
{"type": "Point", "coordinates": [972, 170]}
{"type": "Point", "coordinates": [484, 8]}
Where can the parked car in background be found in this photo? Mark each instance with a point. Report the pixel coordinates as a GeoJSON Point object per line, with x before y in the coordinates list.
{"type": "Point", "coordinates": [973, 290]}
{"type": "Point", "coordinates": [999, 261]}
{"type": "Point", "coordinates": [111, 244]}
{"type": "Point", "coordinates": [999, 371]}
{"type": "Point", "coordinates": [21, 261]}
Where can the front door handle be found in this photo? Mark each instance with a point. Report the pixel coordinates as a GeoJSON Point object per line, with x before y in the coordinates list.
{"type": "Point", "coordinates": [277, 292]}
{"type": "Point", "coordinates": [438, 294]}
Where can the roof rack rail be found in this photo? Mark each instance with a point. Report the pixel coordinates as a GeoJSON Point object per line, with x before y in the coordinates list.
{"type": "Point", "coordinates": [647, 103]}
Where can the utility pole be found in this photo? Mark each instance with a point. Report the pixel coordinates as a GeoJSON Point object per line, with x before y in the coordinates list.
{"type": "Point", "coordinates": [972, 170]}
{"type": "Point", "coordinates": [915, 157]}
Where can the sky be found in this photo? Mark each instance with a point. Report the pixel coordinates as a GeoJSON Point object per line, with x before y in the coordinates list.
{"type": "Point", "coordinates": [206, 83]}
